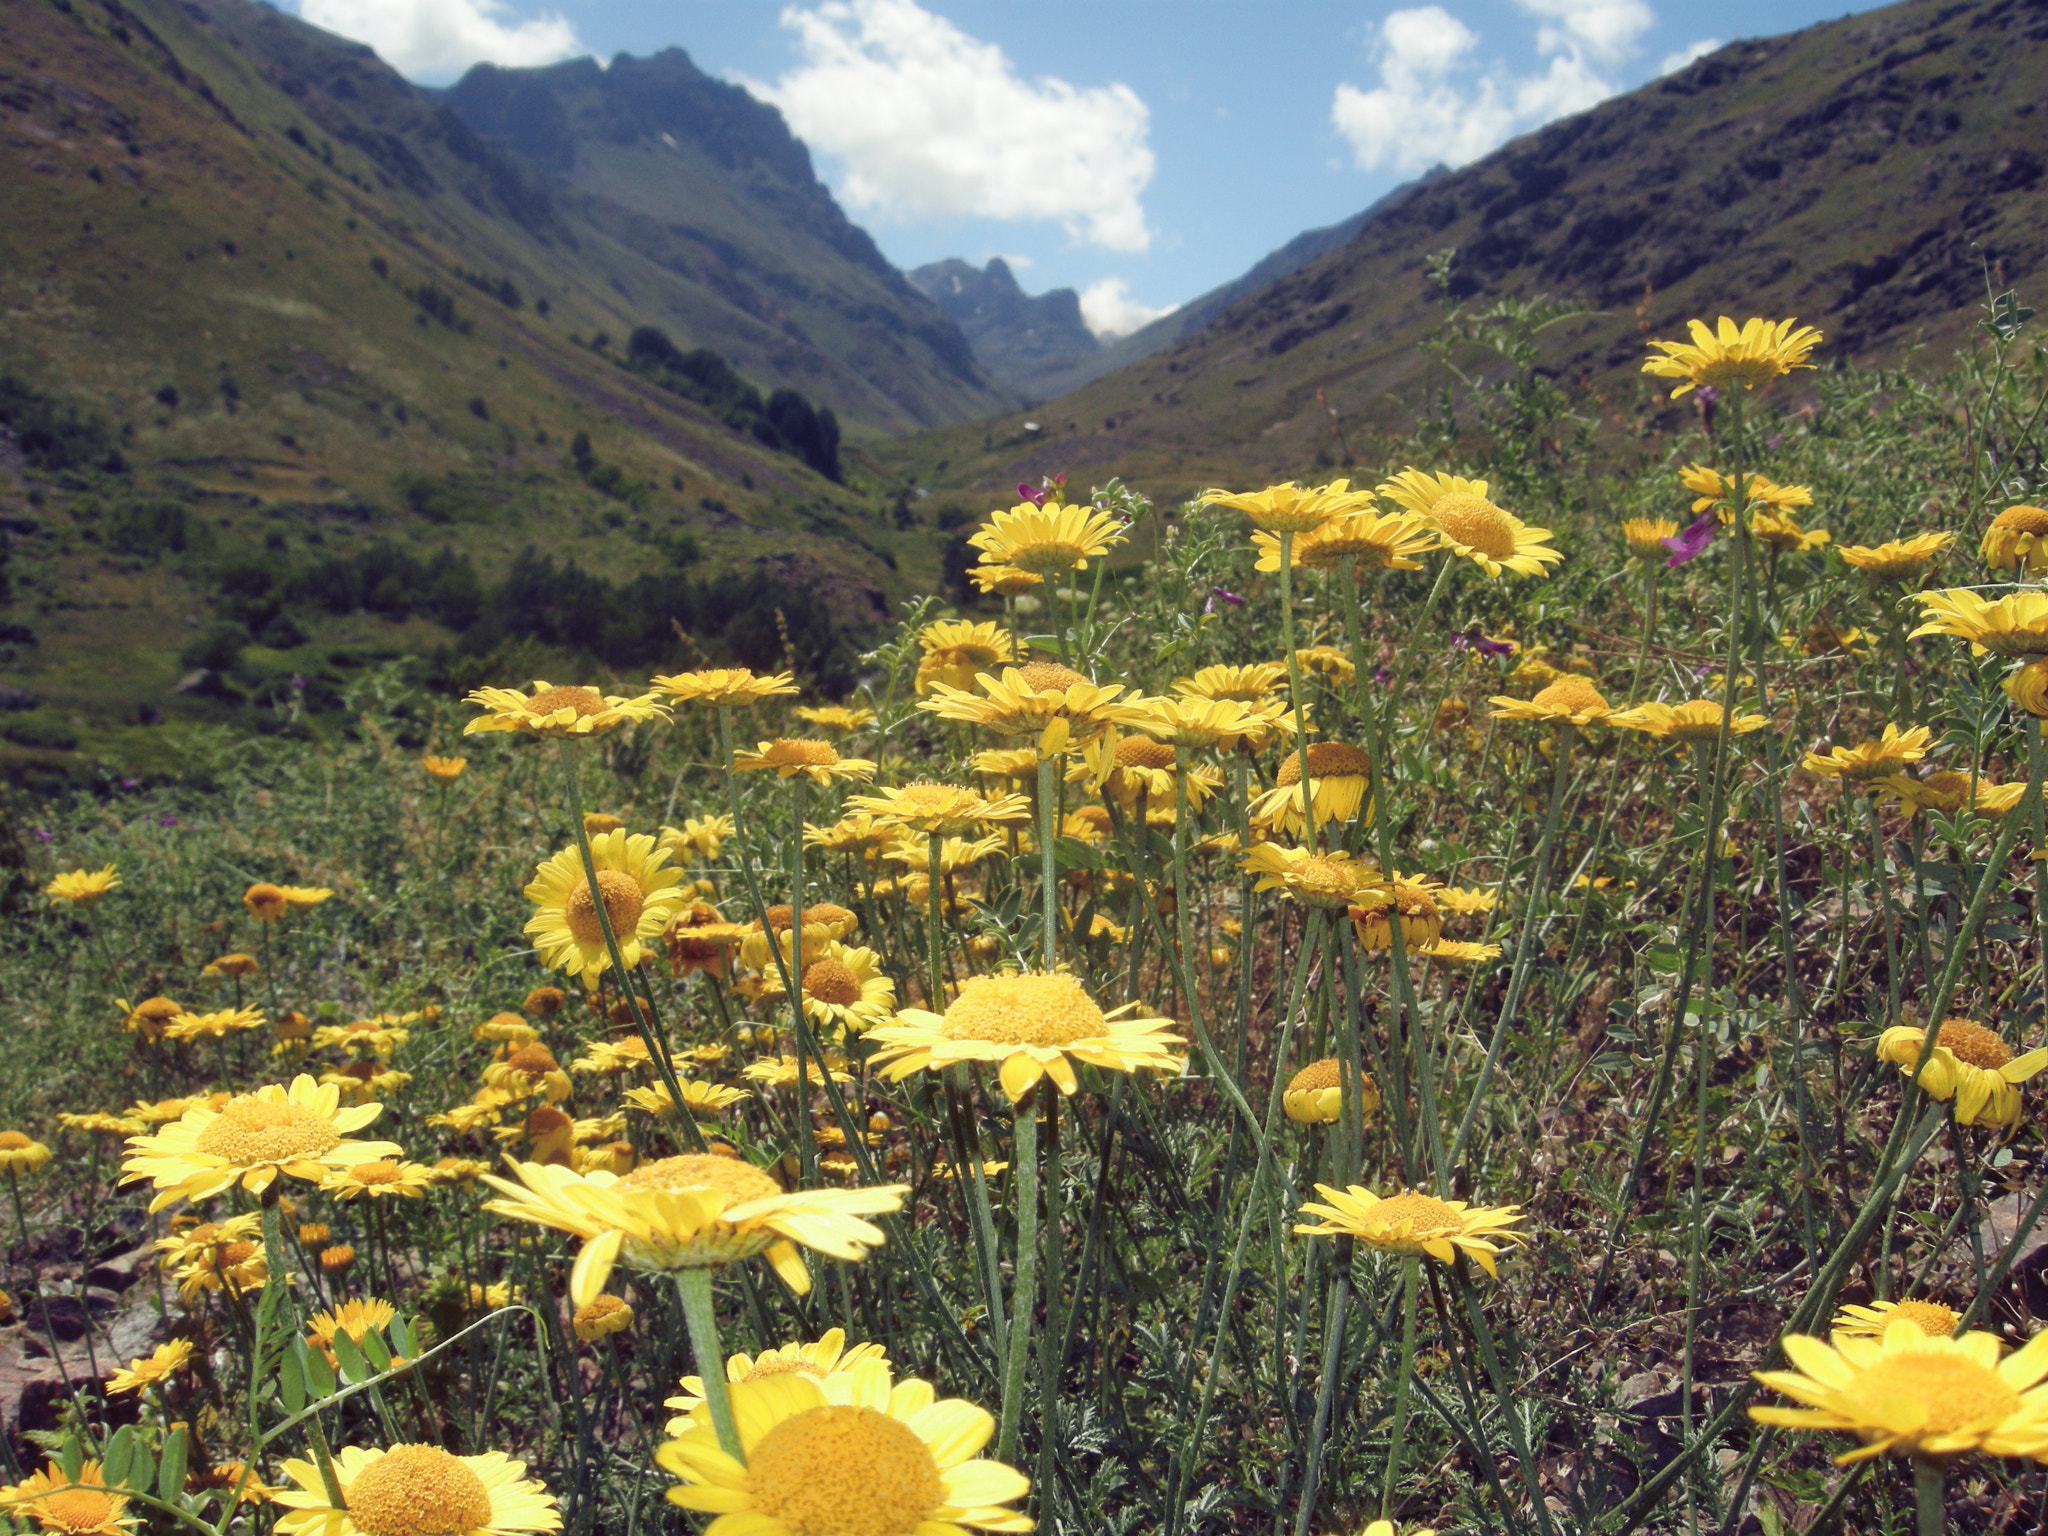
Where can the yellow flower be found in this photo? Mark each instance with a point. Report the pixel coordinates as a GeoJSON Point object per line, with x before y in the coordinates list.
{"type": "Point", "coordinates": [724, 685]}
{"type": "Point", "coordinates": [939, 808]}
{"type": "Point", "coordinates": [382, 1179]}
{"type": "Point", "coordinates": [857, 833]}
{"type": "Point", "coordinates": [1036, 700]}
{"type": "Point", "coordinates": [542, 1001]}
{"type": "Point", "coordinates": [83, 888]}
{"type": "Point", "coordinates": [1929, 1397]}
{"type": "Point", "coordinates": [2011, 626]}
{"type": "Point", "coordinates": [1571, 700]}
{"type": "Point", "coordinates": [1784, 533]}
{"type": "Point", "coordinates": [956, 650]}
{"type": "Point", "coordinates": [526, 1070]}
{"type": "Point", "coordinates": [1930, 1317]}
{"type": "Point", "coordinates": [1694, 720]}
{"type": "Point", "coordinates": [1004, 580]}
{"type": "Point", "coordinates": [19, 1154]}
{"type": "Point", "coordinates": [191, 1244]}
{"type": "Point", "coordinates": [444, 770]}
{"type": "Point", "coordinates": [411, 1490]}
{"type": "Point", "coordinates": [2027, 686]}
{"type": "Point", "coordinates": [1006, 763]}
{"type": "Point", "coordinates": [1033, 1025]}
{"type": "Point", "coordinates": [639, 897]}
{"type": "Point", "coordinates": [378, 1037]}
{"type": "Point", "coordinates": [2018, 536]}
{"type": "Point", "coordinates": [252, 1140]}
{"type": "Point", "coordinates": [1371, 538]}
{"type": "Point", "coordinates": [1315, 1094]}
{"type": "Point", "coordinates": [818, 761]}
{"type": "Point", "coordinates": [1326, 661]}
{"type": "Point", "coordinates": [1711, 486]}
{"type": "Point", "coordinates": [1247, 685]}
{"type": "Point", "coordinates": [1646, 536]}
{"type": "Point", "coordinates": [165, 1361]}
{"type": "Point", "coordinates": [1118, 767]}
{"type": "Point", "coordinates": [692, 1212]}
{"type": "Point", "coordinates": [849, 1453]}
{"type": "Point", "coordinates": [1463, 902]}
{"type": "Point", "coordinates": [148, 1017]}
{"type": "Point", "coordinates": [80, 1506]}
{"type": "Point", "coordinates": [1948, 789]}
{"type": "Point", "coordinates": [823, 922]}
{"type": "Point", "coordinates": [1871, 759]}
{"type": "Point", "coordinates": [1338, 777]}
{"type": "Point", "coordinates": [237, 1268]}
{"type": "Point", "coordinates": [1455, 955]}
{"type": "Point", "coordinates": [551, 711]}
{"type": "Point", "coordinates": [699, 1098]}
{"type": "Point", "coordinates": [1757, 353]}
{"type": "Point", "coordinates": [1189, 720]}
{"type": "Point", "coordinates": [835, 717]}
{"type": "Point", "coordinates": [99, 1123]}
{"type": "Point", "coordinates": [214, 1026]}
{"type": "Point", "coordinates": [1897, 559]}
{"type": "Point", "coordinates": [828, 1357]}
{"type": "Point", "coordinates": [231, 965]}
{"type": "Point", "coordinates": [1414, 1223]}
{"type": "Point", "coordinates": [1047, 540]}
{"type": "Point", "coordinates": [846, 987]}
{"type": "Point", "coordinates": [1315, 880]}
{"type": "Point", "coordinates": [1415, 902]}
{"type": "Point", "coordinates": [785, 1071]}
{"type": "Point", "coordinates": [357, 1319]}
{"type": "Point", "coordinates": [1470, 525]}
{"type": "Point", "coordinates": [1969, 1064]}
{"type": "Point", "coordinates": [1290, 508]}
{"type": "Point", "coordinates": [601, 1317]}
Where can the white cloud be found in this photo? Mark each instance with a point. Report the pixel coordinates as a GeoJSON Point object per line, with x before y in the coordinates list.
{"type": "Point", "coordinates": [1673, 63]}
{"type": "Point", "coordinates": [436, 38]}
{"type": "Point", "coordinates": [1109, 311]}
{"type": "Point", "coordinates": [1436, 104]}
{"type": "Point", "coordinates": [927, 121]}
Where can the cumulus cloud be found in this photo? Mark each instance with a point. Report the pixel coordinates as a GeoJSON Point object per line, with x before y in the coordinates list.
{"type": "Point", "coordinates": [1435, 103]}
{"type": "Point", "coordinates": [1673, 63]}
{"type": "Point", "coordinates": [1109, 311]}
{"type": "Point", "coordinates": [424, 39]}
{"type": "Point", "coordinates": [927, 121]}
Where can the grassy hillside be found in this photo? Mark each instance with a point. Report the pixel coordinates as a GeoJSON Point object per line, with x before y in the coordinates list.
{"type": "Point", "coordinates": [1859, 175]}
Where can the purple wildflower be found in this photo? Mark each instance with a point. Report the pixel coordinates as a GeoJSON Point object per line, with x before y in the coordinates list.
{"type": "Point", "coordinates": [44, 836]}
{"type": "Point", "coordinates": [1709, 399]}
{"type": "Point", "coordinates": [1036, 498]}
{"type": "Point", "coordinates": [298, 683]}
{"type": "Point", "coordinates": [167, 820]}
{"type": "Point", "coordinates": [1227, 595]}
{"type": "Point", "coordinates": [131, 783]}
{"type": "Point", "coordinates": [1692, 542]}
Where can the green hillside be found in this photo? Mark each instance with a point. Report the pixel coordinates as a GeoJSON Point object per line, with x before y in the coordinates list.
{"type": "Point", "coordinates": [298, 369]}
{"type": "Point", "coordinates": [1861, 175]}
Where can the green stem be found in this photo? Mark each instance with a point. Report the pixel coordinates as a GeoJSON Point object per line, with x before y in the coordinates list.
{"type": "Point", "coordinates": [693, 1289]}
{"type": "Point", "coordinates": [793, 972]}
{"type": "Point", "coordinates": [1024, 1291]}
{"type": "Point", "coordinates": [1338, 1306]}
{"type": "Point", "coordinates": [1048, 876]}
{"type": "Point", "coordinates": [1411, 1283]}
{"type": "Point", "coordinates": [1929, 1516]}
{"type": "Point", "coordinates": [934, 937]}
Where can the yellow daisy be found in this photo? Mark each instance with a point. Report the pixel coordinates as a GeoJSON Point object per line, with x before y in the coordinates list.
{"type": "Point", "coordinates": [818, 761]}
{"type": "Point", "coordinates": [787, 1072]}
{"type": "Point", "coordinates": [300, 897]}
{"type": "Point", "coordinates": [99, 1123]}
{"type": "Point", "coordinates": [1412, 1222]}
{"type": "Point", "coordinates": [639, 894]}
{"type": "Point", "coordinates": [1371, 538]}
{"type": "Point", "coordinates": [411, 1490]}
{"type": "Point", "coordinates": [162, 1363]}
{"type": "Point", "coordinates": [1315, 880]}
{"type": "Point", "coordinates": [1969, 1064]}
{"type": "Point", "coordinates": [824, 921]}
{"type": "Point", "coordinates": [149, 1017]}
{"type": "Point", "coordinates": [1033, 1025]}
{"type": "Point", "coordinates": [828, 1357]}
{"type": "Point", "coordinates": [940, 808]}
{"type": "Point", "coordinates": [849, 1453]}
{"type": "Point", "coordinates": [83, 888]}
{"type": "Point", "coordinates": [1246, 685]}
{"type": "Point", "coordinates": [1119, 767]}
{"type": "Point", "coordinates": [1897, 559]}
{"type": "Point", "coordinates": [1929, 1397]}
{"type": "Point", "coordinates": [1694, 720]}
{"type": "Point", "coordinates": [236, 1268]}
{"type": "Point", "coordinates": [1315, 1094]}
{"type": "Point", "coordinates": [1646, 535]}
{"type": "Point", "coordinates": [1948, 789]}
{"type": "Point", "coordinates": [1455, 955]}
{"type": "Point", "coordinates": [847, 987]}
{"type": "Point", "coordinates": [252, 1140]}
{"type": "Point", "coordinates": [266, 902]}
{"type": "Point", "coordinates": [383, 1179]}
{"type": "Point", "coordinates": [1338, 776]}
{"type": "Point", "coordinates": [835, 717]}
{"type": "Point", "coordinates": [2011, 626]}
{"type": "Point", "coordinates": [2017, 536]}
{"type": "Point", "coordinates": [1191, 721]}
{"type": "Point", "coordinates": [699, 1098]}
{"type": "Point", "coordinates": [1033, 699]}
{"type": "Point", "coordinates": [356, 1318]}
{"type": "Point", "coordinates": [521, 1071]}
{"type": "Point", "coordinates": [1710, 486]}
{"type": "Point", "coordinates": [698, 838]}
{"type": "Point", "coordinates": [1930, 1317]}
{"type": "Point", "coordinates": [80, 1506]}
{"type": "Point", "coordinates": [1049, 539]}
{"type": "Point", "coordinates": [692, 1212]}
{"type": "Point", "coordinates": [1871, 759]}
{"type": "Point", "coordinates": [375, 1037]}
{"type": "Point", "coordinates": [1725, 356]}
{"type": "Point", "coordinates": [1003, 580]}
{"type": "Point", "coordinates": [1290, 508]}
{"type": "Point", "coordinates": [957, 650]}
{"type": "Point", "coordinates": [723, 685]}
{"type": "Point", "coordinates": [444, 770]}
{"type": "Point", "coordinates": [600, 1318]}
{"type": "Point", "coordinates": [551, 711]}
{"type": "Point", "coordinates": [1571, 700]}
{"type": "Point", "coordinates": [856, 834]}
{"type": "Point", "coordinates": [1785, 534]}
{"type": "Point", "coordinates": [1325, 661]}
{"type": "Point", "coordinates": [1470, 525]}
{"type": "Point", "coordinates": [19, 1154]}
{"type": "Point", "coordinates": [1464, 902]}
{"type": "Point", "coordinates": [1415, 903]}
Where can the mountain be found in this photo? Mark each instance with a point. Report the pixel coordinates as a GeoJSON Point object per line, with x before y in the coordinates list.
{"type": "Point", "coordinates": [1023, 340]}
{"type": "Point", "coordinates": [297, 371]}
{"type": "Point", "coordinates": [1862, 175]}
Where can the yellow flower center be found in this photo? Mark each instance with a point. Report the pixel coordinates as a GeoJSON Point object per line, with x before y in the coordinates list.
{"type": "Point", "coordinates": [1045, 554]}
{"type": "Point", "coordinates": [738, 1181]}
{"type": "Point", "coordinates": [831, 981]}
{"type": "Point", "coordinates": [76, 1508]}
{"type": "Point", "coordinates": [1930, 1317]}
{"type": "Point", "coordinates": [417, 1490]}
{"type": "Point", "coordinates": [1954, 1390]}
{"type": "Point", "coordinates": [1317, 1075]}
{"type": "Point", "coordinates": [1570, 694]}
{"type": "Point", "coordinates": [265, 900]}
{"type": "Point", "coordinates": [1476, 523]}
{"type": "Point", "coordinates": [13, 1141]}
{"type": "Point", "coordinates": [1022, 1010]}
{"type": "Point", "coordinates": [1326, 760]}
{"type": "Point", "coordinates": [232, 1254]}
{"type": "Point", "coordinates": [250, 1131]}
{"type": "Point", "coordinates": [2033, 520]}
{"type": "Point", "coordinates": [1325, 877]}
{"type": "Point", "coordinates": [784, 1365]}
{"type": "Point", "coordinates": [1973, 1043]}
{"type": "Point", "coordinates": [1428, 1213]}
{"type": "Point", "coordinates": [807, 750]}
{"type": "Point", "coordinates": [376, 1173]}
{"type": "Point", "coordinates": [821, 915]}
{"type": "Point", "coordinates": [339, 1257]}
{"type": "Point", "coordinates": [1140, 752]}
{"type": "Point", "coordinates": [158, 1010]}
{"type": "Point", "coordinates": [585, 701]}
{"type": "Point", "coordinates": [1050, 677]}
{"type": "Point", "coordinates": [533, 1060]}
{"type": "Point", "coordinates": [624, 900]}
{"type": "Point", "coordinates": [834, 1471]}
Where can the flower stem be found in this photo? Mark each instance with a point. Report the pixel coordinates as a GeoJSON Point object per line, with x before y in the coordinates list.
{"type": "Point", "coordinates": [793, 972]}
{"type": "Point", "coordinates": [1411, 1284]}
{"type": "Point", "coordinates": [1326, 1390]}
{"type": "Point", "coordinates": [693, 1289]}
{"type": "Point", "coordinates": [1024, 1289]}
{"type": "Point", "coordinates": [1929, 1515]}
{"type": "Point", "coordinates": [1048, 879]}
{"type": "Point", "coordinates": [934, 936]}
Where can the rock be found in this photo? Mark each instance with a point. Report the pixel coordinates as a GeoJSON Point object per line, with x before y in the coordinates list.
{"type": "Point", "coordinates": [122, 1270]}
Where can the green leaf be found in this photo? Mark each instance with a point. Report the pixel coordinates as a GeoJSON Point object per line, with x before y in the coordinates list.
{"type": "Point", "coordinates": [291, 1377]}
{"type": "Point", "coordinates": [114, 1464]}
{"type": "Point", "coordinates": [377, 1350]}
{"type": "Point", "coordinates": [319, 1373]}
{"type": "Point", "coordinates": [170, 1473]}
{"type": "Point", "coordinates": [141, 1469]}
{"type": "Point", "coordinates": [403, 1339]}
{"type": "Point", "coordinates": [350, 1359]}
{"type": "Point", "coordinates": [71, 1458]}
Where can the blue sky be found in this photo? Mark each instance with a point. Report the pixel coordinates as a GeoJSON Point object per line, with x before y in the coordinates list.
{"type": "Point", "coordinates": [1140, 151]}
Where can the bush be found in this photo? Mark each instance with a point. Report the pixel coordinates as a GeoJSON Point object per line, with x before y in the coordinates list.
{"type": "Point", "coordinates": [219, 646]}
{"type": "Point", "coordinates": [52, 436]}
